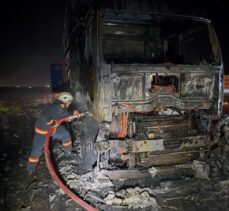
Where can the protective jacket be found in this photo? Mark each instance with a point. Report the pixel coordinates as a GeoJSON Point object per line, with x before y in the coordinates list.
{"type": "Point", "coordinates": [53, 112]}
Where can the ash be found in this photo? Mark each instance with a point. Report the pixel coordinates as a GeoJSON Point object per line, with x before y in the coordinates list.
{"type": "Point", "coordinates": [208, 189]}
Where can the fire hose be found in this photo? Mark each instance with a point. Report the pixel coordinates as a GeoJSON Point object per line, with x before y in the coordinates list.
{"type": "Point", "coordinates": [52, 171]}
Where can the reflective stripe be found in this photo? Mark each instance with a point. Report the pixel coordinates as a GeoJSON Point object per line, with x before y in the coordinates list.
{"type": "Point", "coordinates": [67, 144]}
{"type": "Point", "coordinates": [33, 160]}
{"type": "Point", "coordinates": [40, 131]}
{"type": "Point", "coordinates": [50, 122]}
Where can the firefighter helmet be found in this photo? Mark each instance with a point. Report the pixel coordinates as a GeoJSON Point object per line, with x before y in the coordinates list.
{"type": "Point", "coordinates": [65, 97]}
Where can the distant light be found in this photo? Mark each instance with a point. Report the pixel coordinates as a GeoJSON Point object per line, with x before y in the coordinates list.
{"type": "Point", "coordinates": [18, 86]}
{"type": "Point", "coordinates": [29, 87]}
{"type": "Point", "coordinates": [110, 24]}
{"type": "Point", "coordinates": [47, 86]}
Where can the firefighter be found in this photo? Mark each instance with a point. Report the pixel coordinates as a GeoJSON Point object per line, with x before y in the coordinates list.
{"type": "Point", "coordinates": [45, 121]}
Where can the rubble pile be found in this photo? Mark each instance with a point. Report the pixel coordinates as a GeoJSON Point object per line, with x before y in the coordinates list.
{"type": "Point", "coordinates": [96, 188]}
{"type": "Point", "coordinates": [133, 198]}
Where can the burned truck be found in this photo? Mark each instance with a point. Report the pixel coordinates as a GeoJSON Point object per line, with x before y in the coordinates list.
{"type": "Point", "coordinates": [152, 82]}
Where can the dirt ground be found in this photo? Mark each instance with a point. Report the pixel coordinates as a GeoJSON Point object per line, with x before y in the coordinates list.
{"type": "Point", "coordinates": [18, 112]}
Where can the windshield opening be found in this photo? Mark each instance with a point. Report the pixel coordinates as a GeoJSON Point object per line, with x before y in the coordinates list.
{"type": "Point", "coordinates": [157, 40]}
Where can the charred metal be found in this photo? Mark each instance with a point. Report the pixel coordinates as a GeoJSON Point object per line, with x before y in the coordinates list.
{"type": "Point", "coordinates": [153, 82]}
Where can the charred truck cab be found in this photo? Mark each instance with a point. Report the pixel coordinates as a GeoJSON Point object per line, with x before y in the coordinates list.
{"type": "Point", "coordinates": [153, 82]}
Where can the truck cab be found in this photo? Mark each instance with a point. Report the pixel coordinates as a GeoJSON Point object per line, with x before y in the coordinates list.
{"type": "Point", "coordinates": [153, 81]}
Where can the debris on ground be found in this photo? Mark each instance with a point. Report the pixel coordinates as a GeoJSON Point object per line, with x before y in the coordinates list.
{"type": "Point", "coordinates": [208, 190]}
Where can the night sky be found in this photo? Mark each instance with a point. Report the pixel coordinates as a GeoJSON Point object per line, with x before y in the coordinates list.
{"type": "Point", "coordinates": [31, 39]}
{"type": "Point", "coordinates": [32, 33]}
